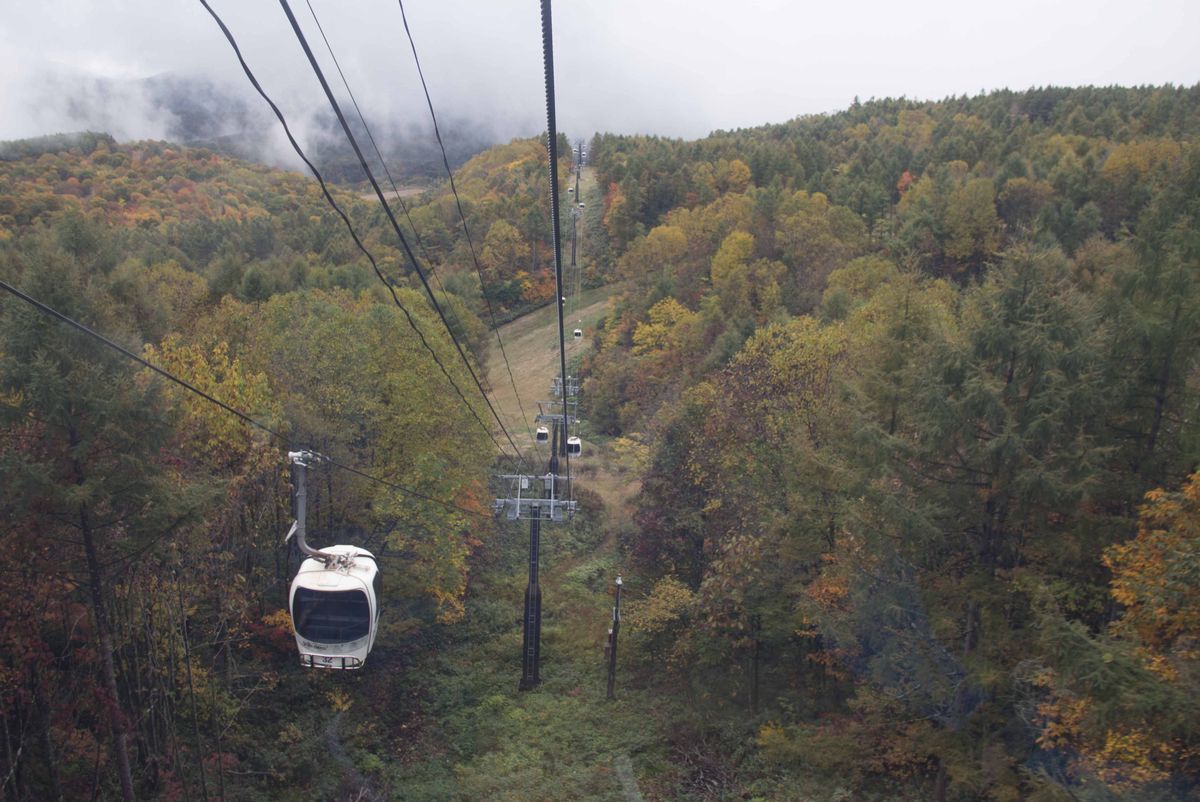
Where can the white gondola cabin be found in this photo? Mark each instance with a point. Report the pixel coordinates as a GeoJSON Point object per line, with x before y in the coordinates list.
{"type": "Point", "coordinates": [335, 608]}
{"type": "Point", "coordinates": [578, 334]}
{"type": "Point", "coordinates": [543, 434]}
{"type": "Point", "coordinates": [574, 446]}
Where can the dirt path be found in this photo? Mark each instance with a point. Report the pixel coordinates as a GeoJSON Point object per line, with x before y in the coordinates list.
{"type": "Point", "coordinates": [359, 787]}
{"type": "Point", "coordinates": [403, 192]}
{"type": "Point", "coordinates": [629, 785]}
{"type": "Point", "coordinates": [531, 341]}
{"type": "Point", "coordinates": [531, 344]}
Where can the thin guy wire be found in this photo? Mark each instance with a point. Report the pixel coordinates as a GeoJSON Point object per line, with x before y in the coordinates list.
{"type": "Point", "coordinates": [378, 153]}
{"type": "Point", "coordinates": [462, 216]}
{"type": "Point", "coordinates": [337, 109]}
{"type": "Point", "coordinates": [54, 313]}
{"type": "Point", "coordinates": [353, 235]}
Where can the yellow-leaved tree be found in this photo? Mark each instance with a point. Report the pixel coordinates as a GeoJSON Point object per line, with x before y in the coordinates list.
{"type": "Point", "coordinates": [1126, 705]}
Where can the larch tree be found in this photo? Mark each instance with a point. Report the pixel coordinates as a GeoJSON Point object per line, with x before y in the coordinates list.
{"type": "Point", "coordinates": [971, 479]}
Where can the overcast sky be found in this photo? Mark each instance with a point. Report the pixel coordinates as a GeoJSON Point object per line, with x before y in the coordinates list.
{"type": "Point", "coordinates": [671, 67]}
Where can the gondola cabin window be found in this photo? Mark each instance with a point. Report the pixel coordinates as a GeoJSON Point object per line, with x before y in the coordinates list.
{"type": "Point", "coordinates": [332, 616]}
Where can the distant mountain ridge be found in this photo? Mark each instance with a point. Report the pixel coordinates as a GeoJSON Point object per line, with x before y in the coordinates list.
{"type": "Point", "coordinates": [83, 141]}
{"type": "Point", "coordinates": [196, 111]}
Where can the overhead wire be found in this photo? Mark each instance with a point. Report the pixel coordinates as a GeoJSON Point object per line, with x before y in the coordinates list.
{"type": "Point", "coordinates": [54, 313]}
{"type": "Point", "coordinates": [386, 171]}
{"type": "Point", "coordinates": [337, 109]}
{"type": "Point", "coordinates": [552, 151]}
{"type": "Point", "coordinates": [362, 119]}
{"type": "Point", "coordinates": [463, 217]}
{"type": "Point", "coordinates": [404, 208]}
{"type": "Point", "coordinates": [358, 242]}
{"type": "Point", "coordinates": [571, 300]}
{"type": "Point", "coordinates": [576, 265]}
{"type": "Point", "coordinates": [378, 153]}
{"type": "Point", "coordinates": [50, 311]}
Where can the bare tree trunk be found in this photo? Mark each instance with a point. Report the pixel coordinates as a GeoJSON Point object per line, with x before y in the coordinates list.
{"type": "Point", "coordinates": [1161, 385]}
{"type": "Point", "coordinates": [43, 707]}
{"type": "Point", "coordinates": [216, 725]}
{"type": "Point", "coordinates": [756, 626]}
{"type": "Point", "coordinates": [173, 717]}
{"type": "Point", "coordinates": [187, 656]}
{"type": "Point", "coordinates": [116, 717]}
{"type": "Point", "coordinates": [939, 784]}
{"type": "Point", "coordinates": [12, 780]}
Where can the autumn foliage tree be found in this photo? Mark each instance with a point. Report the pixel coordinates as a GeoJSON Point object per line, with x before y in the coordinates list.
{"type": "Point", "coordinates": [145, 570]}
{"type": "Point", "coordinates": [1123, 705]}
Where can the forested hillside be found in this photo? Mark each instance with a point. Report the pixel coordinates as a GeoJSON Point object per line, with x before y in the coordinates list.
{"type": "Point", "coordinates": [505, 195]}
{"type": "Point", "coordinates": [908, 394]}
{"type": "Point", "coordinates": [920, 383]}
{"type": "Point", "coordinates": [145, 573]}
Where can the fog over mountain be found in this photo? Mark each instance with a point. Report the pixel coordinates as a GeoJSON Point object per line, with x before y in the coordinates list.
{"type": "Point", "coordinates": [194, 110]}
{"type": "Point", "coordinates": [150, 68]}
